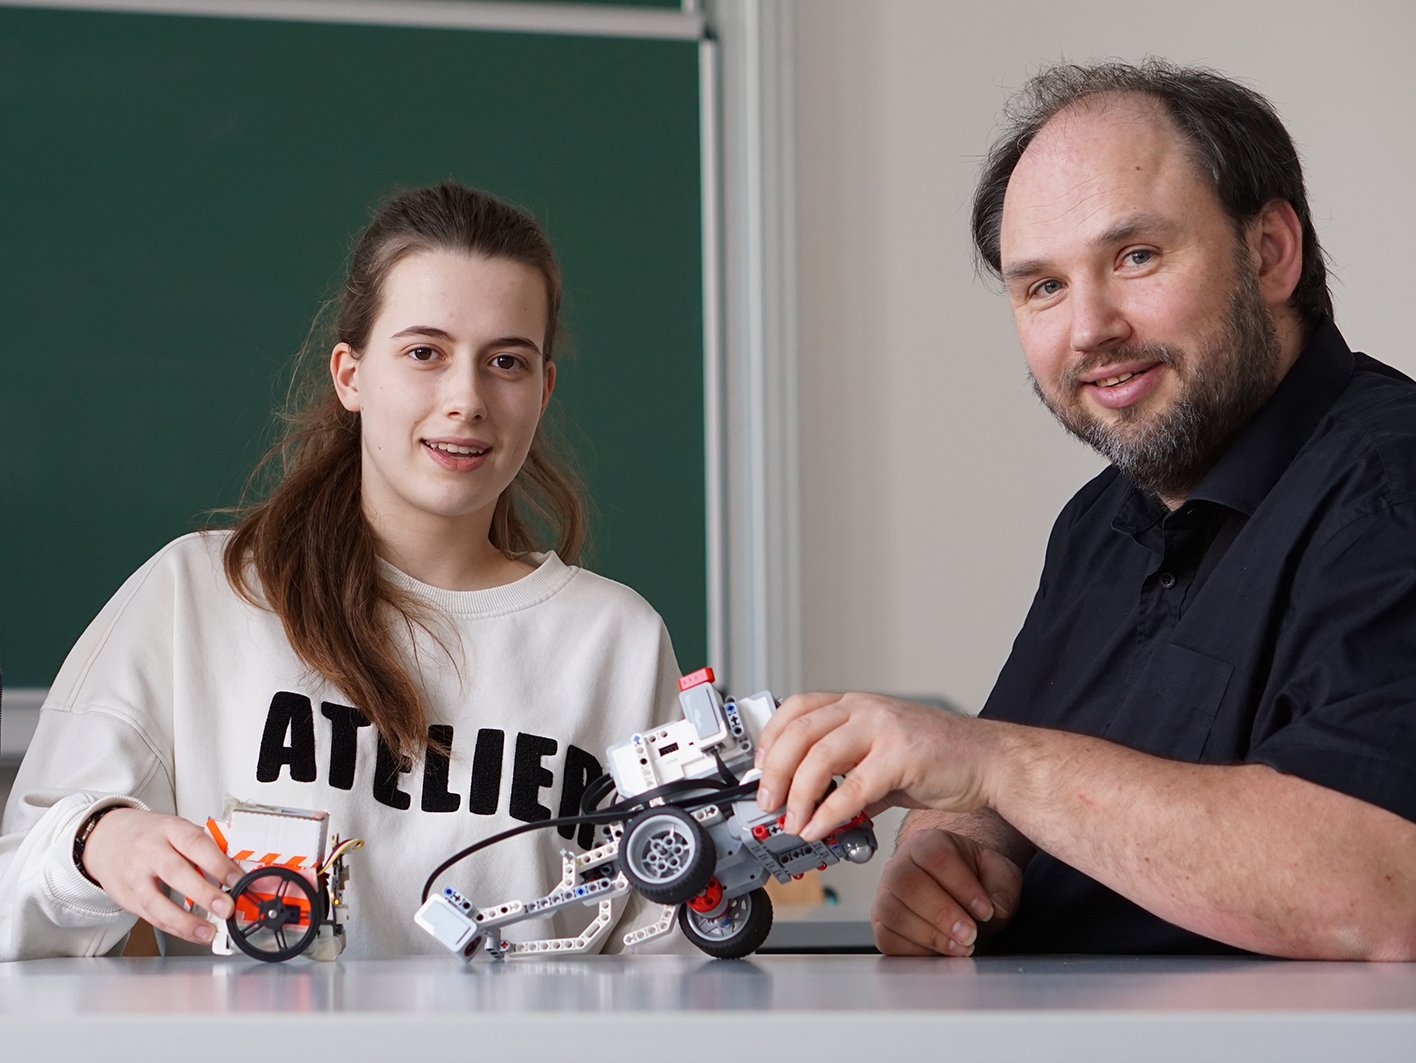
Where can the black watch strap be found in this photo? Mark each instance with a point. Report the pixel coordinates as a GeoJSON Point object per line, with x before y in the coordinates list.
{"type": "Point", "coordinates": [81, 838]}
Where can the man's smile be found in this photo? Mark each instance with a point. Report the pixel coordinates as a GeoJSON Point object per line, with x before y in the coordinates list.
{"type": "Point", "coordinates": [1116, 388]}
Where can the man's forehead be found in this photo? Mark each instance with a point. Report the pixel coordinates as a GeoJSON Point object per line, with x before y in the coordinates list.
{"type": "Point", "coordinates": [1105, 156]}
{"type": "Point", "coordinates": [1092, 131]}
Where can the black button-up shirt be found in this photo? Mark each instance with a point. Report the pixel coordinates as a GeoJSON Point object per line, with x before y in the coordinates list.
{"type": "Point", "coordinates": [1270, 619]}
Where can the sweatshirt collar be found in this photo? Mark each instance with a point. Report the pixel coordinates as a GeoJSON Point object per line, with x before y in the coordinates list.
{"type": "Point", "coordinates": [548, 577]}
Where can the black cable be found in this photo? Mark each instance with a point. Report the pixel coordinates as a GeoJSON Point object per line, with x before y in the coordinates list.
{"type": "Point", "coordinates": [596, 791]}
{"type": "Point", "coordinates": [563, 821]}
{"type": "Point", "coordinates": [724, 772]}
{"type": "Point", "coordinates": [716, 791]}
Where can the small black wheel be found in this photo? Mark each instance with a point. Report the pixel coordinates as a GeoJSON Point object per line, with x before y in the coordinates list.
{"type": "Point", "coordinates": [278, 913]}
{"type": "Point", "coordinates": [667, 855]}
{"type": "Point", "coordinates": [738, 930]}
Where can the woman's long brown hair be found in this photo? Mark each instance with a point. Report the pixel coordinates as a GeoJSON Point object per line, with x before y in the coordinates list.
{"type": "Point", "coordinates": [307, 552]}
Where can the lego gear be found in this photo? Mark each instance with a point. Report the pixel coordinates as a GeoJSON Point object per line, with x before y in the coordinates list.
{"type": "Point", "coordinates": [667, 855]}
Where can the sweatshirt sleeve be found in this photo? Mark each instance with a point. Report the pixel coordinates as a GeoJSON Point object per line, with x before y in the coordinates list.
{"type": "Point", "coordinates": [100, 741]}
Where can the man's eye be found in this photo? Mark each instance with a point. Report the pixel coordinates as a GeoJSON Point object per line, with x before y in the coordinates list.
{"type": "Point", "coordinates": [1046, 289]}
{"type": "Point", "coordinates": [506, 361]}
{"type": "Point", "coordinates": [1139, 257]}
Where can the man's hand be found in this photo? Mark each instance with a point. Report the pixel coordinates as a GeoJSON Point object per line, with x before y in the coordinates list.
{"type": "Point", "coordinates": [939, 892]}
{"type": "Point", "coordinates": [890, 752]}
{"type": "Point", "coordinates": [132, 854]}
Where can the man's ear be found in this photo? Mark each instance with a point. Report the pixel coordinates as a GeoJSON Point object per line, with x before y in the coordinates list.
{"type": "Point", "coordinates": [1278, 240]}
{"type": "Point", "coordinates": [344, 369]}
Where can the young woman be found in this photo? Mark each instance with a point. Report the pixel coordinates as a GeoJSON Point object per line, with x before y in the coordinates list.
{"type": "Point", "coordinates": [377, 638]}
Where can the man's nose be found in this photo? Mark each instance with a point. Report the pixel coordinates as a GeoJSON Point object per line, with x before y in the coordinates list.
{"type": "Point", "coordinates": [1097, 319]}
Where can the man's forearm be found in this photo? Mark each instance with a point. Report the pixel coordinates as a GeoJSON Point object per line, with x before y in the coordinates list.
{"type": "Point", "coordinates": [1242, 854]}
{"type": "Point", "coordinates": [986, 827]}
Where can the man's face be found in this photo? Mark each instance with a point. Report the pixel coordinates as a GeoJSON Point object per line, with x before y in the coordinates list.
{"type": "Point", "coordinates": [1137, 305]}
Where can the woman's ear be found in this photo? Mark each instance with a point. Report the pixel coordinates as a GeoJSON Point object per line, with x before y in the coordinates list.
{"type": "Point", "coordinates": [549, 386]}
{"type": "Point", "coordinates": [344, 369]}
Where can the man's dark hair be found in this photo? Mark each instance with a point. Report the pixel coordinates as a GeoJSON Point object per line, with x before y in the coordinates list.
{"type": "Point", "coordinates": [1234, 133]}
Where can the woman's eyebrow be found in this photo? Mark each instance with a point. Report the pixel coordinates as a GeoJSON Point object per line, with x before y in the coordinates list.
{"type": "Point", "coordinates": [423, 330]}
{"type": "Point", "coordinates": [513, 341]}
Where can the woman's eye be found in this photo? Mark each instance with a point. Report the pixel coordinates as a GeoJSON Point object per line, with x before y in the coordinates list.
{"type": "Point", "coordinates": [506, 361]}
{"type": "Point", "coordinates": [1046, 289]}
{"type": "Point", "coordinates": [423, 354]}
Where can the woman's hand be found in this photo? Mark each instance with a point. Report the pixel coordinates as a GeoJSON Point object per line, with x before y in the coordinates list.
{"type": "Point", "coordinates": [133, 854]}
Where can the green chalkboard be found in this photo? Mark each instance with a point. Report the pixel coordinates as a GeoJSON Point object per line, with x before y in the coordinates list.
{"type": "Point", "coordinates": [177, 196]}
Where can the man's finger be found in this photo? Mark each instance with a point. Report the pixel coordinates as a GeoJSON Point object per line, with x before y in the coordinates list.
{"type": "Point", "coordinates": [946, 928]}
{"type": "Point", "coordinates": [781, 766]}
{"type": "Point", "coordinates": [951, 862]}
{"type": "Point", "coordinates": [1003, 880]}
{"type": "Point", "coordinates": [908, 938]}
{"type": "Point", "coordinates": [788, 711]}
{"type": "Point", "coordinates": [859, 788]}
{"type": "Point", "coordinates": [891, 943]}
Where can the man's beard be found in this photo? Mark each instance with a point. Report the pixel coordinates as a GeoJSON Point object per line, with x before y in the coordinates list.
{"type": "Point", "coordinates": [1222, 385]}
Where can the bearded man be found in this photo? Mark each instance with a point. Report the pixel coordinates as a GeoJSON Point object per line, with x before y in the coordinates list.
{"type": "Point", "coordinates": [1204, 739]}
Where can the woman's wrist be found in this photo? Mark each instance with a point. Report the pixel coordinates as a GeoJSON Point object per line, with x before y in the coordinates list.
{"type": "Point", "coordinates": [82, 836]}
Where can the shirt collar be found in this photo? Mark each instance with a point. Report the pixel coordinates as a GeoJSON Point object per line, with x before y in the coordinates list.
{"type": "Point", "coordinates": [1247, 471]}
{"type": "Point", "coordinates": [1266, 446]}
{"type": "Point", "coordinates": [1138, 513]}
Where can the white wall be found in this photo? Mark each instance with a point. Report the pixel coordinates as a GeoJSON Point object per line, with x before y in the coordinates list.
{"type": "Point", "coordinates": [930, 475]}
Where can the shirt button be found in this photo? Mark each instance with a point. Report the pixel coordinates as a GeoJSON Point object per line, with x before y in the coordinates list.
{"type": "Point", "coordinates": [1167, 580]}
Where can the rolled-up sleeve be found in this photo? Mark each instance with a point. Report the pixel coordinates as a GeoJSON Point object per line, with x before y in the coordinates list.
{"type": "Point", "coordinates": [1346, 702]}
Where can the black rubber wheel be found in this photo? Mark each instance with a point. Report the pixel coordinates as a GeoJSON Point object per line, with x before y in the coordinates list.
{"type": "Point", "coordinates": [667, 855]}
{"type": "Point", "coordinates": [739, 930]}
{"type": "Point", "coordinates": [273, 925]}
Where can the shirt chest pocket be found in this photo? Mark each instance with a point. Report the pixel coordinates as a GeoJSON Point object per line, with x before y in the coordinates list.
{"type": "Point", "coordinates": [1175, 704]}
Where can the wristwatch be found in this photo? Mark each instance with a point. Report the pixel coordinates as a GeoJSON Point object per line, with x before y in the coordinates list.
{"type": "Point", "coordinates": [81, 838]}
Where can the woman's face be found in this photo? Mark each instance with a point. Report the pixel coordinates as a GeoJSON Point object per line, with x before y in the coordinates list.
{"type": "Point", "coordinates": [449, 389]}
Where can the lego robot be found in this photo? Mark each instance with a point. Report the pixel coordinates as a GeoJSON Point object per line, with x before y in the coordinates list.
{"type": "Point", "coordinates": [291, 898]}
{"type": "Point", "coordinates": [686, 832]}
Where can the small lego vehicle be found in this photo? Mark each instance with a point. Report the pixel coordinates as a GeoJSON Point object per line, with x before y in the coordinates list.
{"type": "Point", "coordinates": [291, 897]}
{"type": "Point", "coordinates": [686, 832]}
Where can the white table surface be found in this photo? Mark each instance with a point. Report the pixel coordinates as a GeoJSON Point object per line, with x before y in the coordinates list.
{"type": "Point", "coordinates": [668, 1009]}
